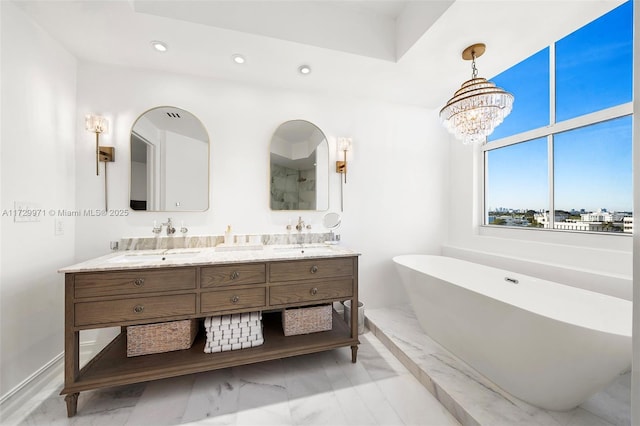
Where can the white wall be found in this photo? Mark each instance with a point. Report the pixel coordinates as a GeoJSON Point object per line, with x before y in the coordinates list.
{"type": "Point", "coordinates": [38, 141]}
{"type": "Point", "coordinates": [396, 186]}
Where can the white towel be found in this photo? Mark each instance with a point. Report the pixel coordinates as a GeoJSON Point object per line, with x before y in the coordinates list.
{"type": "Point", "coordinates": [232, 332]}
{"type": "Point", "coordinates": [212, 322]}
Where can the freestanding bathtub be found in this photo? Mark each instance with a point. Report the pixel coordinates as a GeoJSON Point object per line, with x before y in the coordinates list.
{"type": "Point", "coordinates": [548, 344]}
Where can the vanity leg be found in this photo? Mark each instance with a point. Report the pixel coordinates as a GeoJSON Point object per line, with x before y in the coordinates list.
{"type": "Point", "coordinates": [354, 353]}
{"type": "Point", "coordinates": [72, 404]}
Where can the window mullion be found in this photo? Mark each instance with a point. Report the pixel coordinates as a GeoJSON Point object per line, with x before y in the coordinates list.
{"type": "Point", "coordinates": [552, 207]}
{"type": "Point", "coordinates": [552, 122]}
{"type": "Point", "coordinates": [552, 84]}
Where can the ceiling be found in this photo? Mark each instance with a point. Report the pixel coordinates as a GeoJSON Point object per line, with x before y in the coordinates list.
{"type": "Point", "coordinates": [398, 51]}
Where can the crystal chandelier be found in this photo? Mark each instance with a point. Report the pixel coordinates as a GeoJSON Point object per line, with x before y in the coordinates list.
{"type": "Point", "coordinates": [478, 107]}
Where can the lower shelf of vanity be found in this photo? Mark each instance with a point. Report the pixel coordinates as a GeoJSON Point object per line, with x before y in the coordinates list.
{"type": "Point", "coordinates": [112, 367]}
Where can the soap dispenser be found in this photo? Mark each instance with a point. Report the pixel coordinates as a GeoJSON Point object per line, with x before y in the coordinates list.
{"type": "Point", "coordinates": [228, 236]}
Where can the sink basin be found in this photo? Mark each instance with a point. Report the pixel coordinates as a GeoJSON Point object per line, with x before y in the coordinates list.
{"type": "Point", "coordinates": [152, 257]}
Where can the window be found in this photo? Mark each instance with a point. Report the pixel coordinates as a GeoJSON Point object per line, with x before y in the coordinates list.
{"type": "Point", "coordinates": [532, 108]}
{"type": "Point", "coordinates": [517, 173]}
{"type": "Point", "coordinates": [566, 147]}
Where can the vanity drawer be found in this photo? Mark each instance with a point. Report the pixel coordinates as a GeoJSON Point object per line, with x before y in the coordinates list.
{"type": "Point", "coordinates": [138, 308]}
{"type": "Point", "coordinates": [214, 276]}
{"type": "Point", "coordinates": [226, 300]}
{"type": "Point", "coordinates": [134, 282]}
{"type": "Point", "coordinates": [310, 292]}
{"type": "Point", "coordinates": [311, 269]}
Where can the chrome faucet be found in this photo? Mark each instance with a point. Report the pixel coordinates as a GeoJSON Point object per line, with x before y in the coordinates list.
{"type": "Point", "coordinates": [170, 229]}
{"type": "Point", "coordinates": [300, 226]}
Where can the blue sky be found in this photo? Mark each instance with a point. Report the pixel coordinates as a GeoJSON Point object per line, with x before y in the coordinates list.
{"type": "Point", "coordinates": [592, 166]}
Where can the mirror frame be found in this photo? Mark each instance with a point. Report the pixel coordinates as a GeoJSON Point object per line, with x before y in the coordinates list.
{"type": "Point", "coordinates": [204, 128]}
{"type": "Point", "coordinates": [326, 141]}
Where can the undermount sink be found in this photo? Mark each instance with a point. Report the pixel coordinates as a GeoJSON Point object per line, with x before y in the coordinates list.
{"type": "Point", "coordinates": [152, 257]}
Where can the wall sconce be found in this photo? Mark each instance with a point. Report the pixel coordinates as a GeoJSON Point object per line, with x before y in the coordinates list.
{"type": "Point", "coordinates": [344, 145]}
{"type": "Point", "coordinates": [98, 124]}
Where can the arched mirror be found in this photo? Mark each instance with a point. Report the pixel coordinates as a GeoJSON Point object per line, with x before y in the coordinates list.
{"type": "Point", "coordinates": [169, 162]}
{"type": "Point", "coordinates": [299, 167]}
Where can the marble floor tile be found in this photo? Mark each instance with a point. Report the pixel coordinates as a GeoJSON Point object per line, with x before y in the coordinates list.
{"type": "Point", "coordinates": [214, 396]}
{"type": "Point", "coordinates": [470, 397]}
{"type": "Point", "coordinates": [162, 402]}
{"type": "Point", "coordinates": [320, 409]}
{"type": "Point", "coordinates": [315, 389]}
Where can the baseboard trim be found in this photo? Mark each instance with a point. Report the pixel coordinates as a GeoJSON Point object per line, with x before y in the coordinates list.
{"type": "Point", "coordinates": [27, 390]}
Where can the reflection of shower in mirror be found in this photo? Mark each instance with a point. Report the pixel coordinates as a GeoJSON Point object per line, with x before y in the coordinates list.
{"type": "Point", "coordinates": [299, 167]}
{"type": "Point", "coordinates": [300, 178]}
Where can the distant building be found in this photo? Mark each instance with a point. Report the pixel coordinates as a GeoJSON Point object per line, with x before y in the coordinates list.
{"type": "Point", "coordinates": [603, 215]}
{"type": "Point", "coordinates": [599, 221]}
{"type": "Point", "coordinates": [581, 226]}
{"type": "Point", "coordinates": [543, 218]}
{"type": "Point", "coordinates": [512, 221]}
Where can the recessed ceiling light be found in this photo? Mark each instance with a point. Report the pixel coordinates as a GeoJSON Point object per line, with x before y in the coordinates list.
{"type": "Point", "coordinates": [238, 59]}
{"type": "Point", "coordinates": [304, 69]}
{"type": "Point", "coordinates": [159, 46]}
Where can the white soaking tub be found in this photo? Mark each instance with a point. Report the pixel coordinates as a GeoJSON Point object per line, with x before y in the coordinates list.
{"type": "Point", "coordinates": [548, 344]}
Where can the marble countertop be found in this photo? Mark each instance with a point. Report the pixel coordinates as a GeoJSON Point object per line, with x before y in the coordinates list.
{"type": "Point", "coordinates": [139, 259]}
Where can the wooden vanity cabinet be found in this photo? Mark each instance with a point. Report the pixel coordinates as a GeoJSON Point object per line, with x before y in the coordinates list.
{"type": "Point", "coordinates": [119, 298]}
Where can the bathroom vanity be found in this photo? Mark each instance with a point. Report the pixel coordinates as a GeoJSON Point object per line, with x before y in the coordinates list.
{"type": "Point", "coordinates": [112, 292]}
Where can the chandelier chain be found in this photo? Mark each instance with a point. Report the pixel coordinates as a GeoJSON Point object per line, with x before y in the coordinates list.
{"type": "Point", "coordinates": [474, 70]}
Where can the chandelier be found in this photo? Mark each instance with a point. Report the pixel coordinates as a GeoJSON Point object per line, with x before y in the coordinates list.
{"type": "Point", "coordinates": [478, 107]}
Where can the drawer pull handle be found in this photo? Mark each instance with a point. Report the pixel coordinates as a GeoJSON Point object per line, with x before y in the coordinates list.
{"type": "Point", "coordinates": [138, 309]}
{"type": "Point", "coordinates": [235, 275]}
{"type": "Point", "coordinates": [314, 291]}
{"type": "Point", "coordinates": [314, 269]}
{"type": "Point", "coordinates": [138, 282]}
{"type": "Point", "coordinates": [235, 299]}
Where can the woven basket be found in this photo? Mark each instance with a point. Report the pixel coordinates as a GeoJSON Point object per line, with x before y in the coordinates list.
{"type": "Point", "coordinates": [307, 320]}
{"type": "Point", "coordinates": [161, 337]}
